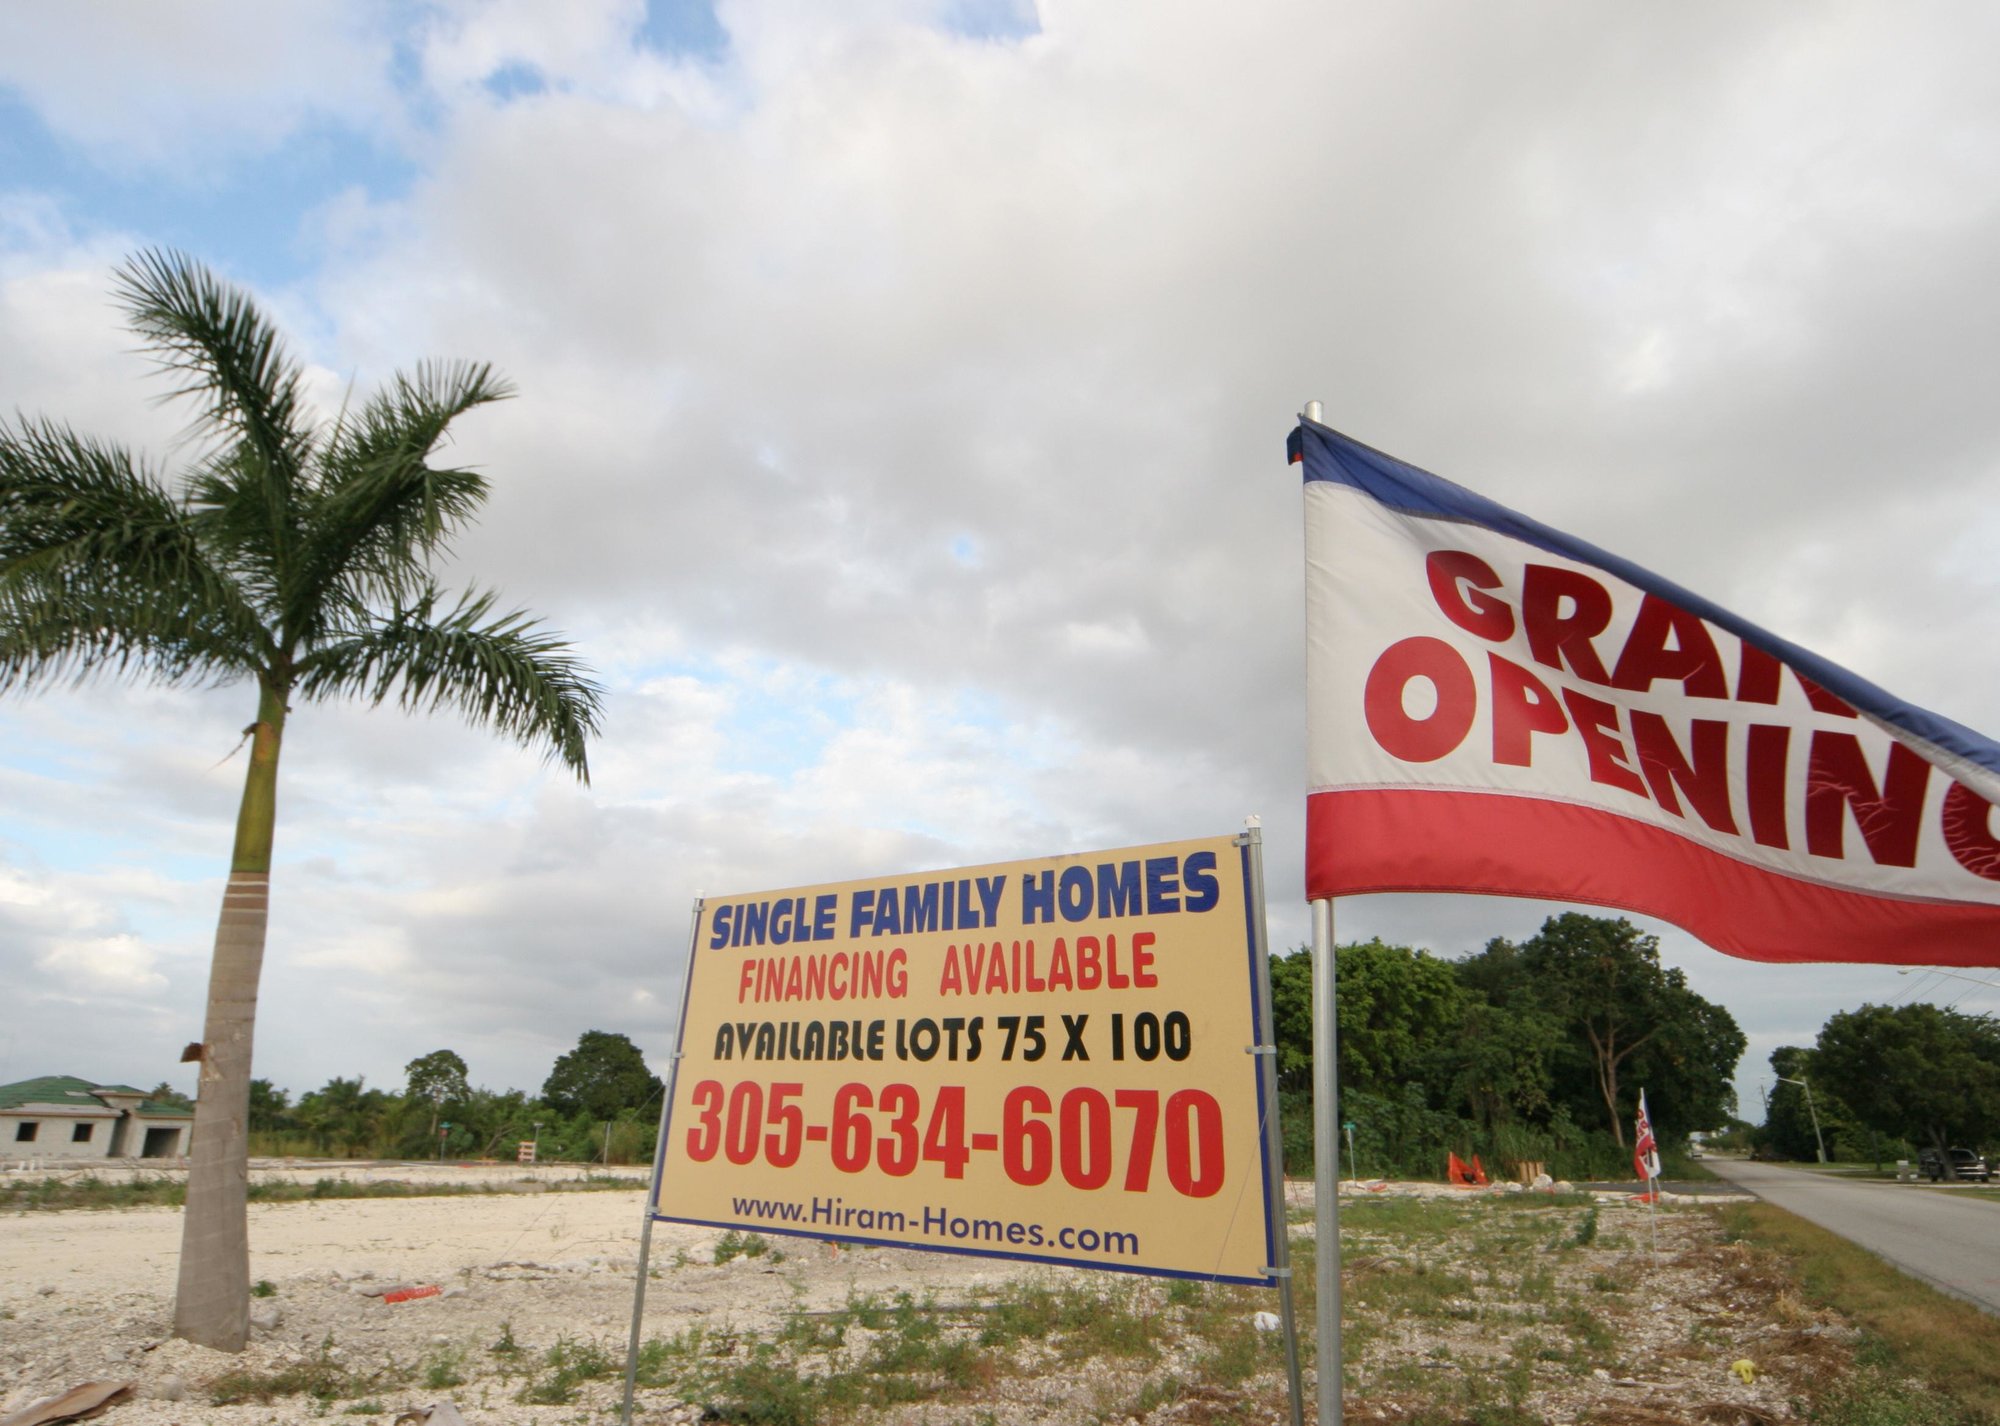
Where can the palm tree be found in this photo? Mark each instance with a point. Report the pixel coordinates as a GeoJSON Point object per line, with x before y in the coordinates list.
{"type": "Point", "coordinates": [295, 554]}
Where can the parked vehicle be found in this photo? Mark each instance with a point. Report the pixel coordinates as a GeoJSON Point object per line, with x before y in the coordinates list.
{"type": "Point", "coordinates": [1953, 1163]}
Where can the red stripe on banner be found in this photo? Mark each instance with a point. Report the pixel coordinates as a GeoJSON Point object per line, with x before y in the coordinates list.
{"type": "Point", "coordinates": [1498, 845]}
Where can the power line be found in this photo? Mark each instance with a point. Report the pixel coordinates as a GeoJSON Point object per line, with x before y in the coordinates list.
{"type": "Point", "coordinates": [1955, 975]}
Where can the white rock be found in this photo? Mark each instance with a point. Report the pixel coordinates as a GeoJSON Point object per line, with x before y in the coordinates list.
{"type": "Point", "coordinates": [1267, 1321]}
{"type": "Point", "coordinates": [267, 1316]}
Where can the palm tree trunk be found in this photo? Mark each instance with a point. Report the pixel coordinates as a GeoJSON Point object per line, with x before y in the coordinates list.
{"type": "Point", "coordinates": [212, 1301]}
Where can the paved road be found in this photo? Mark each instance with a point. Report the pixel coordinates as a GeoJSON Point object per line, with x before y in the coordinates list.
{"type": "Point", "coordinates": [1951, 1242]}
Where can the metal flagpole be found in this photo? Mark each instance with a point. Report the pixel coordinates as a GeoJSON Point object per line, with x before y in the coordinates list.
{"type": "Point", "coordinates": [1326, 1161]}
{"type": "Point", "coordinates": [1266, 1050]}
{"type": "Point", "coordinates": [653, 1191]}
{"type": "Point", "coordinates": [1326, 1144]}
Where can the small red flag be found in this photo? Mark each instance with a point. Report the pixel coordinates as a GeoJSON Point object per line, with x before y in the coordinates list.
{"type": "Point", "coordinates": [1645, 1149]}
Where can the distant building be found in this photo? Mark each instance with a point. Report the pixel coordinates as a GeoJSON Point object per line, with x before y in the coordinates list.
{"type": "Point", "coordinates": [61, 1117]}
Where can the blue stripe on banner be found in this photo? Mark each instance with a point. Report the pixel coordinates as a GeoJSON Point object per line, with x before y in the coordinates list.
{"type": "Point", "coordinates": [1330, 456]}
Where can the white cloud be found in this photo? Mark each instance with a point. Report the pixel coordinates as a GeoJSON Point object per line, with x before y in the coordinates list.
{"type": "Point", "coordinates": [108, 967]}
{"type": "Point", "coordinates": [187, 85]}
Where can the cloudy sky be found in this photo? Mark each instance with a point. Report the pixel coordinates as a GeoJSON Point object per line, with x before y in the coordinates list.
{"type": "Point", "coordinates": [904, 386]}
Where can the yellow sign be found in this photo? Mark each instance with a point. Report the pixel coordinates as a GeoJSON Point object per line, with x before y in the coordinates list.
{"type": "Point", "coordinates": [1043, 1059]}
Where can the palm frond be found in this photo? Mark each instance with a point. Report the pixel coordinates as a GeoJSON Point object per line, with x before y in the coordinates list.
{"type": "Point", "coordinates": [216, 342]}
{"type": "Point", "coordinates": [502, 672]}
{"type": "Point", "coordinates": [100, 568]}
{"type": "Point", "coordinates": [49, 635]}
{"type": "Point", "coordinates": [400, 425]}
{"type": "Point", "coordinates": [383, 510]}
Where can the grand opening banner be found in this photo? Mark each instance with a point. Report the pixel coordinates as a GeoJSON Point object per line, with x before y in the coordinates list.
{"type": "Point", "coordinates": [1495, 706]}
{"type": "Point", "coordinates": [1043, 1059]}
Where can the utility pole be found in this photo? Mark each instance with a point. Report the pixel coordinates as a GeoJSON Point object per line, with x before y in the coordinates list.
{"type": "Point", "coordinates": [1810, 1110]}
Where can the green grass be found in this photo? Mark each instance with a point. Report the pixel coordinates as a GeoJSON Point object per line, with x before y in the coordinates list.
{"type": "Point", "coordinates": [569, 1363]}
{"type": "Point", "coordinates": [1911, 1331]}
{"type": "Point", "coordinates": [323, 1377]}
{"type": "Point", "coordinates": [1962, 1191]}
{"type": "Point", "coordinates": [1586, 1230]}
{"type": "Point", "coordinates": [1676, 1164]}
{"type": "Point", "coordinates": [89, 1191]}
{"type": "Point", "coordinates": [444, 1368]}
{"type": "Point", "coordinates": [505, 1347]}
{"type": "Point", "coordinates": [744, 1245]}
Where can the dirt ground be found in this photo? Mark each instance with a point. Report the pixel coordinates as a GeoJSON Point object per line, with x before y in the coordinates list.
{"type": "Point", "coordinates": [87, 1296]}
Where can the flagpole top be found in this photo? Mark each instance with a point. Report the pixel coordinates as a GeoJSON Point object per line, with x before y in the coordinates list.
{"type": "Point", "coordinates": [1313, 411]}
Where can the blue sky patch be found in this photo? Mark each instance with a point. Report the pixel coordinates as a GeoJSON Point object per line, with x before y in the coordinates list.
{"type": "Point", "coordinates": [515, 81]}
{"type": "Point", "coordinates": [686, 28]}
{"type": "Point", "coordinates": [244, 214]}
{"type": "Point", "coordinates": [991, 19]}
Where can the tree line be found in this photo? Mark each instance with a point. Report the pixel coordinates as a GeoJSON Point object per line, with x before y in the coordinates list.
{"type": "Point", "coordinates": [1885, 1082]}
{"type": "Point", "coordinates": [1529, 1052]}
{"type": "Point", "coordinates": [599, 1104]}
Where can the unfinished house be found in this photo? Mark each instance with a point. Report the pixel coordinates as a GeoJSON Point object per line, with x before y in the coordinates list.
{"type": "Point", "coordinates": [61, 1117]}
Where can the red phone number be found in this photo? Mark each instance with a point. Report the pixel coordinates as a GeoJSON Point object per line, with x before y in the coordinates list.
{"type": "Point", "coordinates": [1038, 1136]}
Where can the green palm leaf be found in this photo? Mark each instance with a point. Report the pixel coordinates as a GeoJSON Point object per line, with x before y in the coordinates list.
{"type": "Point", "coordinates": [501, 672]}
{"type": "Point", "coordinates": [101, 572]}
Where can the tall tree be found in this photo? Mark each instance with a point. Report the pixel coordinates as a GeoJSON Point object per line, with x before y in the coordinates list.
{"type": "Point", "coordinates": [344, 1114]}
{"type": "Point", "coordinates": [1292, 1017]}
{"type": "Point", "coordinates": [270, 1107]}
{"type": "Point", "coordinates": [1602, 979]}
{"type": "Point", "coordinates": [604, 1074]}
{"type": "Point", "coordinates": [438, 1080]}
{"type": "Point", "coordinates": [294, 555]}
{"type": "Point", "coordinates": [164, 1093]}
{"type": "Point", "coordinates": [1399, 1012]}
{"type": "Point", "coordinates": [1501, 1071]}
{"type": "Point", "coordinates": [1920, 1072]}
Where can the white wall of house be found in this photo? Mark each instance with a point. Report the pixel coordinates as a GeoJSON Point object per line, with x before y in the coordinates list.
{"type": "Point", "coordinates": [54, 1131]}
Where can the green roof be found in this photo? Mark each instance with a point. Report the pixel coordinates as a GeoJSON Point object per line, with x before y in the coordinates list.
{"type": "Point", "coordinates": [67, 1089]}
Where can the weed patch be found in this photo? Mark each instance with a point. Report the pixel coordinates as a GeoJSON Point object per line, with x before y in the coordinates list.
{"type": "Point", "coordinates": [732, 1245]}
{"type": "Point", "coordinates": [323, 1377]}
{"type": "Point", "coordinates": [88, 1192]}
{"type": "Point", "coordinates": [569, 1363]}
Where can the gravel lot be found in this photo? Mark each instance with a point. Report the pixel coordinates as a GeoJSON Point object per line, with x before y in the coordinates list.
{"type": "Point", "coordinates": [87, 1296]}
